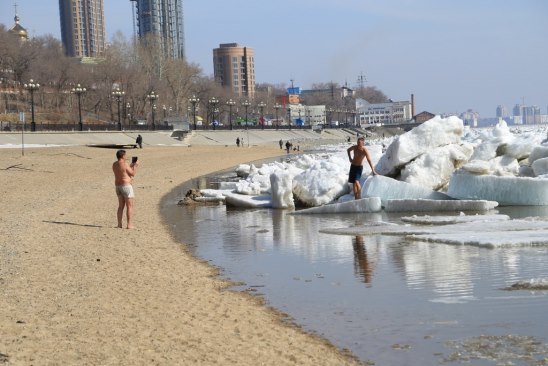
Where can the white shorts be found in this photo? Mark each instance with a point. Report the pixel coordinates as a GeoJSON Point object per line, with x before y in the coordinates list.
{"type": "Point", "coordinates": [125, 191]}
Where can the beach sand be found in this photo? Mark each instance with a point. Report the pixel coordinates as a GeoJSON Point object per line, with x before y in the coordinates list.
{"type": "Point", "coordinates": [76, 290]}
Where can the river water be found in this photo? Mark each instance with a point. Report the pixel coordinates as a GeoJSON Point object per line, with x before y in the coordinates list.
{"type": "Point", "coordinates": [389, 300]}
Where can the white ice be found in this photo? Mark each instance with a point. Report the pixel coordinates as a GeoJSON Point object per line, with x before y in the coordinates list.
{"type": "Point", "coordinates": [372, 204]}
{"type": "Point", "coordinates": [426, 205]}
{"type": "Point", "coordinates": [388, 188]}
{"type": "Point", "coordinates": [444, 220]}
{"type": "Point", "coordinates": [440, 157]}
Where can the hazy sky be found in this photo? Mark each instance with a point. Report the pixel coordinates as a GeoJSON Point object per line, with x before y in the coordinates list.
{"type": "Point", "coordinates": [453, 55]}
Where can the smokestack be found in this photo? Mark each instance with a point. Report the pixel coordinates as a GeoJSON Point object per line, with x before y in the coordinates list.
{"type": "Point", "coordinates": [412, 105]}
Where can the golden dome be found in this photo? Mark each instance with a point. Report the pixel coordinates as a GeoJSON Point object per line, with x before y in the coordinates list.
{"type": "Point", "coordinates": [19, 30]}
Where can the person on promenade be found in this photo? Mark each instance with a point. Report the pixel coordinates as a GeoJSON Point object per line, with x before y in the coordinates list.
{"type": "Point", "coordinates": [123, 176]}
{"type": "Point", "coordinates": [288, 146]}
{"type": "Point", "coordinates": [281, 144]}
{"type": "Point", "coordinates": [356, 165]}
{"type": "Point", "coordinates": [139, 141]}
{"type": "Point", "coordinates": [237, 141]}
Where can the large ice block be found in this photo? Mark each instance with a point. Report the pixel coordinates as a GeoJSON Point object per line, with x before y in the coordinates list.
{"type": "Point", "coordinates": [247, 201]}
{"type": "Point", "coordinates": [372, 204]}
{"type": "Point", "coordinates": [387, 188]}
{"type": "Point", "coordinates": [431, 134]}
{"type": "Point", "coordinates": [422, 205]}
{"type": "Point", "coordinates": [507, 190]}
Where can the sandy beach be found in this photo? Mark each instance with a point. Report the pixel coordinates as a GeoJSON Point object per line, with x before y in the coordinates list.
{"type": "Point", "coordinates": [76, 290]}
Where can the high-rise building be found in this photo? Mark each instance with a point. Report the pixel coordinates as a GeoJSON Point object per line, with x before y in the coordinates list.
{"type": "Point", "coordinates": [234, 67]}
{"type": "Point", "coordinates": [83, 27]}
{"type": "Point", "coordinates": [502, 112]}
{"type": "Point", "coordinates": [161, 22]}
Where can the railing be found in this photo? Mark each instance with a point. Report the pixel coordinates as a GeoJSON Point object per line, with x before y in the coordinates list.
{"type": "Point", "coordinates": [43, 127]}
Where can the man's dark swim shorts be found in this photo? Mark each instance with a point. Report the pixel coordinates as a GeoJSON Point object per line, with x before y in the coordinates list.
{"type": "Point", "coordinates": [355, 173]}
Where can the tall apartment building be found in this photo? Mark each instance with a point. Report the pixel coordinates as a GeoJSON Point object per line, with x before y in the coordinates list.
{"type": "Point", "coordinates": [234, 67]}
{"type": "Point", "coordinates": [83, 27]}
{"type": "Point", "coordinates": [161, 21]}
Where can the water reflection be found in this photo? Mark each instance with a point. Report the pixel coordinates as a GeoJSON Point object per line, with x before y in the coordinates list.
{"type": "Point", "coordinates": [364, 263]}
{"type": "Point", "coordinates": [368, 293]}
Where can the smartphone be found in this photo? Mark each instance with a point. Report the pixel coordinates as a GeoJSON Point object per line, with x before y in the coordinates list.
{"type": "Point", "coordinates": [134, 159]}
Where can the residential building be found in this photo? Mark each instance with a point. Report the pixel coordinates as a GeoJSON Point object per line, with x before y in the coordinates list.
{"type": "Point", "coordinates": [234, 68]}
{"type": "Point", "coordinates": [160, 23]}
{"type": "Point", "coordinates": [502, 111]}
{"type": "Point", "coordinates": [83, 27]}
{"type": "Point", "coordinates": [383, 113]}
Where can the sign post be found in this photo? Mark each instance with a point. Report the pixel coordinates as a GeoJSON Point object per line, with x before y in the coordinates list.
{"type": "Point", "coordinates": [22, 120]}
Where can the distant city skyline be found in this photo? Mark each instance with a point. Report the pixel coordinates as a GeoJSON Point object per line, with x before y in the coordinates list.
{"type": "Point", "coordinates": [453, 56]}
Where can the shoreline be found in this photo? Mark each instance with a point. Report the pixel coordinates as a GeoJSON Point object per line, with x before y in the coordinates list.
{"type": "Point", "coordinates": [77, 290]}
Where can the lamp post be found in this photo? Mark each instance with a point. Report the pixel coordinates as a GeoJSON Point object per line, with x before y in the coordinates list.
{"type": "Point", "coordinates": [165, 110]}
{"type": "Point", "coordinates": [193, 100]}
{"type": "Point", "coordinates": [277, 107]}
{"type": "Point", "coordinates": [213, 102]}
{"type": "Point", "coordinates": [289, 116]}
{"type": "Point", "coordinates": [261, 106]}
{"type": "Point", "coordinates": [152, 97]}
{"type": "Point", "coordinates": [32, 87]}
{"type": "Point", "coordinates": [246, 105]}
{"type": "Point", "coordinates": [128, 115]}
{"type": "Point", "coordinates": [118, 94]}
{"type": "Point", "coordinates": [78, 90]}
{"type": "Point", "coordinates": [230, 103]}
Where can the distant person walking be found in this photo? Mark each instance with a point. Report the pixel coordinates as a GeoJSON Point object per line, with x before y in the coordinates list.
{"type": "Point", "coordinates": [237, 141]}
{"type": "Point", "coordinates": [288, 146]}
{"type": "Point", "coordinates": [242, 141]}
{"type": "Point", "coordinates": [281, 144]}
{"type": "Point", "coordinates": [123, 176]}
{"type": "Point", "coordinates": [356, 165]}
{"type": "Point", "coordinates": [139, 141]}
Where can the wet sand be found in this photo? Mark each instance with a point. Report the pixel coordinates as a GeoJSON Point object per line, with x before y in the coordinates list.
{"type": "Point", "coordinates": [76, 290]}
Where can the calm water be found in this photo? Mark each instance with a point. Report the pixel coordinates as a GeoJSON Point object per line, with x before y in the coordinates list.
{"type": "Point", "coordinates": [389, 301]}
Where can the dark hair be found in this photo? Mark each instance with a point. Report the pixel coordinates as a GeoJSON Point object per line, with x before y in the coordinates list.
{"type": "Point", "coordinates": [361, 138]}
{"type": "Point", "coordinates": [120, 154]}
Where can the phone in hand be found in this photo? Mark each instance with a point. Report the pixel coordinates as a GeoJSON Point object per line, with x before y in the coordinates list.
{"type": "Point", "coordinates": [134, 159]}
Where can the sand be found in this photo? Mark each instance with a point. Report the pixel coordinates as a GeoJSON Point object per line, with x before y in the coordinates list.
{"type": "Point", "coordinates": [76, 290]}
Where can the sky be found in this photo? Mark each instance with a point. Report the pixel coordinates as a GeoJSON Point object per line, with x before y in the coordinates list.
{"type": "Point", "coordinates": [453, 55]}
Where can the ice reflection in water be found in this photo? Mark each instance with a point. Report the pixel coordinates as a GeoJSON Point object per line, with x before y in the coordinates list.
{"type": "Point", "coordinates": [391, 301]}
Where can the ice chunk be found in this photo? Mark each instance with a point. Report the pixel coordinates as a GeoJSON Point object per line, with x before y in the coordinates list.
{"type": "Point", "coordinates": [282, 190]}
{"type": "Point", "coordinates": [479, 226]}
{"type": "Point", "coordinates": [323, 182]}
{"type": "Point", "coordinates": [422, 205]}
{"type": "Point", "coordinates": [507, 191]}
{"type": "Point", "coordinates": [540, 166]}
{"type": "Point", "coordinates": [246, 201]}
{"type": "Point", "coordinates": [538, 152]}
{"type": "Point", "coordinates": [434, 168]}
{"type": "Point", "coordinates": [433, 133]}
{"type": "Point", "coordinates": [372, 204]}
{"type": "Point", "coordinates": [445, 220]}
{"type": "Point", "coordinates": [492, 239]}
{"type": "Point", "coordinates": [387, 188]}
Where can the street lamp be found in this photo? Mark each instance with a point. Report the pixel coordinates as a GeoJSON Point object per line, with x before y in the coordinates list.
{"type": "Point", "coordinates": [277, 107]}
{"type": "Point", "coordinates": [289, 116]}
{"type": "Point", "coordinates": [79, 91]}
{"type": "Point", "coordinates": [32, 87]}
{"type": "Point", "coordinates": [152, 97]}
{"type": "Point", "coordinates": [213, 102]}
{"type": "Point", "coordinates": [261, 106]}
{"type": "Point", "coordinates": [230, 103]}
{"type": "Point", "coordinates": [193, 100]}
{"type": "Point", "coordinates": [246, 105]}
{"type": "Point", "coordinates": [118, 94]}
{"type": "Point", "coordinates": [128, 115]}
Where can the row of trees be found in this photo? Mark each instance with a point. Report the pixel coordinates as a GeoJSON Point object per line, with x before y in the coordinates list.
{"type": "Point", "coordinates": [135, 70]}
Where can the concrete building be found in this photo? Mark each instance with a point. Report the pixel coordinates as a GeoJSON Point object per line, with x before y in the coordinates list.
{"type": "Point", "coordinates": [234, 68]}
{"type": "Point", "coordinates": [82, 27]}
{"type": "Point", "coordinates": [160, 22]}
{"type": "Point", "coordinates": [383, 113]}
{"type": "Point", "coordinates": [502, 111]}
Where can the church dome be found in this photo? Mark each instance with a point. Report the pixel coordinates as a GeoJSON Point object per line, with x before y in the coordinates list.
{"type": "Point", "coordinates": [19, 30]}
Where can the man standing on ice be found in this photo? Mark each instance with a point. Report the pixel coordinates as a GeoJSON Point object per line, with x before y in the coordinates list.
{"type": "Point", "coordinates": [356, 166]}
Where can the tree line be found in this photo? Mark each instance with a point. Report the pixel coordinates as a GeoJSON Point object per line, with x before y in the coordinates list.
{"type": "Point", "coordinates": [135, 70]}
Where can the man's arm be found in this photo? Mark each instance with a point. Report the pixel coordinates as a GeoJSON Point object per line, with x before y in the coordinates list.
{"type": "Point", "coordinates": [132, 169]}
{"type": "Point", "coordinates": [350, 149]}
{"type": "Point", "coordinates": [370, 163]}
